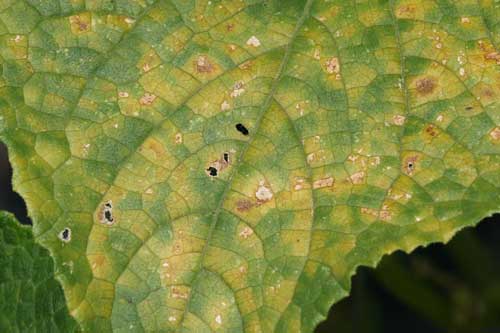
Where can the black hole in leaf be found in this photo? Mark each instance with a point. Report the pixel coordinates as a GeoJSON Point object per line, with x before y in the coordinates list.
{"type": "Point", "coordinates": [226, 157]}
{"type": "Point", "coordinates": [65, 234]}
{"type": "Point", "coordinates": [242, 129]}
{"type": "Point", "coordinates": [108, 215]}
{"type": "Point", "coordinates": [212, 171]}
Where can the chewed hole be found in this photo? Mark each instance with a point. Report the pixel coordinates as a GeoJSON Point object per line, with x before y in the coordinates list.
{"type": "Point", "coordinates": [65, 235]}
{"type": "Point", "coordinates": [242, 129]}
{"type": "Point", "coordinates": [212, 171]}
{"type": "Point", "coordinates": [107, 213]}
{"type": "Point", "coordinates": [225, 156]}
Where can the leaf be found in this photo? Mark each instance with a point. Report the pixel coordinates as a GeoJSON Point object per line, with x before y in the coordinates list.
{"type": "Point", "coordinates": [226, 165]}
{"type": "Point", "coordinates": [31, 300]}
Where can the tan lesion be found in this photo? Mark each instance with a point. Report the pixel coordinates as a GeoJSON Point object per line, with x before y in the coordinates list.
{"type": "Point", "coordinates": [425, 85]}
{"type": "Point", "coordinates": [81, 23]}
{"type": "Point", "coordinates": [495, 134]}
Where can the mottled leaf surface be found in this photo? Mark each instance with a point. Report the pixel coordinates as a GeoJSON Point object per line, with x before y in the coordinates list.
{"type": "Point", "coordinates": [31, 300]}
{"type": "Point", "coordinates": [226, 165]}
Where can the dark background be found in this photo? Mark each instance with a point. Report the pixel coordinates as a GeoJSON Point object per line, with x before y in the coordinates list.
{"type": "Point", "coordinates": [440, 288]}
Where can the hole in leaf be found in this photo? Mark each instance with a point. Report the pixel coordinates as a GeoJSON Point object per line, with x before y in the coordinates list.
{"type": "Point", "coordinates": [107, 213]}
{"type": "Point", "coordinates": [212, 171]}
{"type": "Point", "coordinates": [65, 235]}
{"type": "Point", "coordinates": [242, 129]}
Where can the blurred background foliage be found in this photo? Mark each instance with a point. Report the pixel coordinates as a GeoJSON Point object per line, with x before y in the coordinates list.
{"type": "Point", "coordinates": [439, 288]}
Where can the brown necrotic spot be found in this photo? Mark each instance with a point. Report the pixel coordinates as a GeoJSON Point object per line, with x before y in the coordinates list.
{"type": "Point", "coordinates": [80, 23]}
{"type": "Point", "coordinates": [410, 164]}
{"type": "Point", "coordinates": [431, 130]}
{"type": "Point", "coordinates": [244, 205]}
{"type": "Point", "coordinates": [203, 65]}
{"type": "Point", "coordinates": [147, 99]}
{"type": "Point", "coordinates": [425, 85]}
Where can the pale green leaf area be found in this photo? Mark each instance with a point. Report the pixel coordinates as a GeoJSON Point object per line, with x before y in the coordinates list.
{"type": "Point", "coordinates": [31, 300]}
{"type": "Point", "coordinates": [365, 127]}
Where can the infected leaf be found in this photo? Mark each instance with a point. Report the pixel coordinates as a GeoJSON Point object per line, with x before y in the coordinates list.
{"type": "Point", "coordinates": [208, 166]}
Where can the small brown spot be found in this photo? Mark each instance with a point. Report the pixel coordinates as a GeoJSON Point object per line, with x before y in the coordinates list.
{"type": "Point", "coordinates": [406, 9]}
{"type": "Point", "coordinates": [398, 120]}
{"type": "Point", "coordinates": [493, 56]}
{"type": "Point", "coordinates": [203, 65]}
{"type": "Point", "coordinates": [246, 65]}
{"type": "Point", "coordinates": [178, 138]}
{"type": "Point", "coordinates": [225, 106]}
{"type": "Point", "coordinates": [238, 89]}
{"type": "Point", "coordinates": [431, 130]}
{"type": "Point", "coordinates": [425, 85]}
{"type": "Point", "coordinates": [299, 184]}
{"type": "Point", "coordinates": [80, 23]}
{"type": "Point", "coordinates": [242, 270]}
{"type": "Point", "coordinates": [369, 211]}
{"type": "Point", "coordinates": [358, 177]}
{"type": "Point", "coordinates": [178, 293]}
{"type": "Point", "coordinates": [244, 205]}
{"type": "Point", "coordinates": [147, 99]}
{"type": "Point", "coordinates": [410, 164]}
{"type": "Point", "coordinates": [317, 54]}
{"type": "Point", "coordinates": [178, 248]}
{"type": "Point", "coordinates": [487, 92]}
{"type": "Point", "coordinates": [323, 182]}
{"type": "Point", "coordinates": [495, 133]}
{"type": "Point", "coordinates": [246, 232]}
{"type": "Point", "coordinates": [332, 66]}
{"type": "Point", "coordinates": [230, 27]}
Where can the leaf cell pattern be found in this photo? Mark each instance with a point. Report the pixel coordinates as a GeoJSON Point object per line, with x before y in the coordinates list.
{"type": "Point", "coordinates": [226, 165]}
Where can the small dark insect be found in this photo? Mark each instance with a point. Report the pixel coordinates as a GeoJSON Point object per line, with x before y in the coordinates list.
{"type": "Point", "coordinates": [212, 171]}
{"type": "Point", "coordinates": [468, 108]}
{"type": "Point", "coordinates": [242, 129]}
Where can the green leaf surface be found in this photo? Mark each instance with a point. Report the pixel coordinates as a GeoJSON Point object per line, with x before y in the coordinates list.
{"type": "Point", "coordinates": [31, 300]}
{"type": "Point", "coordinates": [226, 165]}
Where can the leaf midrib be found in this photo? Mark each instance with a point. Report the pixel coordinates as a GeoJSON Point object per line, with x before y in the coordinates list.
{"type": "Point", "coordinates": [265, 107]}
